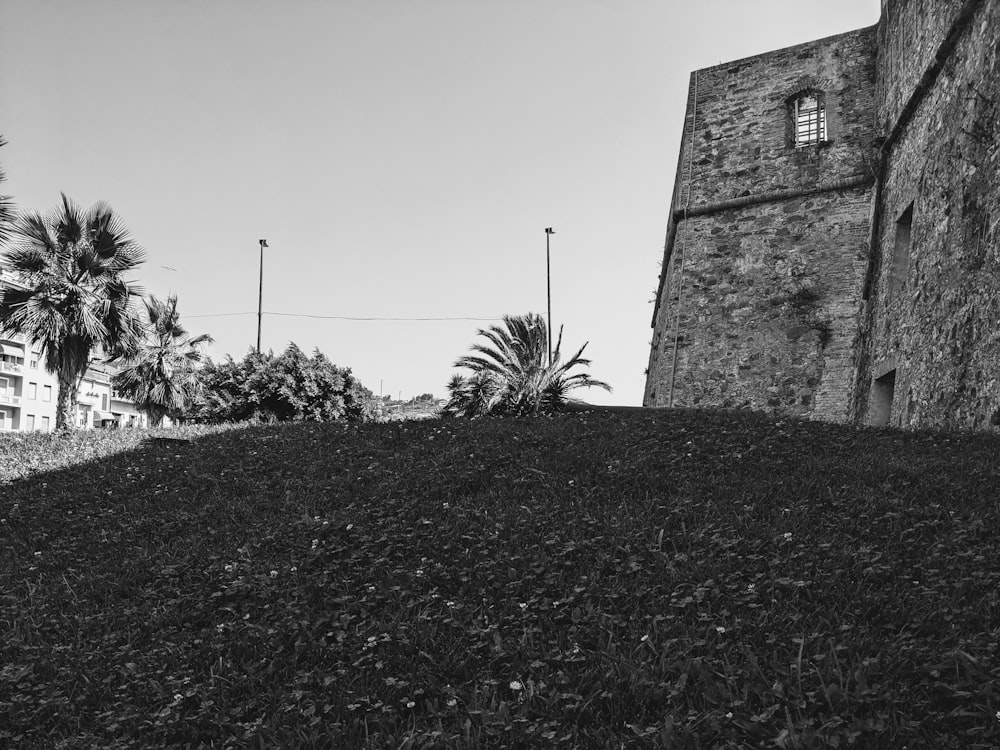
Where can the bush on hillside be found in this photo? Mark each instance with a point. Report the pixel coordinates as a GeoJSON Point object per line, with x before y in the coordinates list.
{"type": "Point", "coordinates": [513, 374]}
{"type": "Point", "coordinates": [291, 387]}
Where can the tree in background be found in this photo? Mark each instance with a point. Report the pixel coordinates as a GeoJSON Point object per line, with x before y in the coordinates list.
{"type": "Point", "coordinates": [287, 388]}
{"type": "Point", "coordinates": [511, 374]}
{"type": "Point", "coordinates": [76, 300]}
{"type": "Point", "coordinates": [162, 378]}
{"type": "Point", "coordinates": [6, 203]}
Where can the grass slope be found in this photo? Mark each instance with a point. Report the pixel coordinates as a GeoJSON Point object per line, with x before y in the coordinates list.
{"type": "Point", "coordinates": [648, 579]}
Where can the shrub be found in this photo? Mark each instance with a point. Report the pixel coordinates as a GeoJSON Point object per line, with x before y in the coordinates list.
{"type": "Point", "coordinates": [287, 388]}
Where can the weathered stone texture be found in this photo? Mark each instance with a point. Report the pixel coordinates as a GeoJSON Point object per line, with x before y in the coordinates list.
{"type": "Point", "coordinates": [909, 35]}
{"type": "Point", "coordinates": [790, 282]}
{"type": "Point", "coordinates": [742, 126]}
{"type": "Point", "coordinates": [768, 289]}
{"type": "Point", "coordinates": [768, 310]}
{"type": "Point", "coordinates": [940, 330]}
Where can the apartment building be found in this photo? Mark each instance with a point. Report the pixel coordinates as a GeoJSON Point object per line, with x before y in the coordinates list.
{"type": "Point", "coordinates": [28, 392]}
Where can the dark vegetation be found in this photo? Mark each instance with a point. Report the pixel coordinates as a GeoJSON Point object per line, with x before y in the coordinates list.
{"type": "Point", "coordinates": [290, 387]}
{"type": "Point", "coordinates": [648, 579]}
{"type": "Point", "coordinates": [511, 373]}
{"type": "Point", "coordinates": [162, 377]}
{"type": "Point", "coordinates": [75, 298]}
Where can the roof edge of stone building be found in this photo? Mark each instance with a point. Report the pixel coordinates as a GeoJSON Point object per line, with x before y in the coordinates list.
{"type": "Point", "coordinates": [772, 52]}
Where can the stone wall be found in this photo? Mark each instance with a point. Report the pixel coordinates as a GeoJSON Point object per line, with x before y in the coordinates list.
{"type": "Point", "coordinates": [937, 325]}
{"type": "Point", "coordinates": [768, 313]}
{"type": "Point", "coordinates": [766, 242]}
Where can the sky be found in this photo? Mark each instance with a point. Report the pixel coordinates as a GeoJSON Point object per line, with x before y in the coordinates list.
{"type": "Point", "coordinates": [402, 158]}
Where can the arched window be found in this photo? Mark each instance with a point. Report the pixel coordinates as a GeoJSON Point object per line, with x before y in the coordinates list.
{"type": "Point", "coordinates": [808, 119]}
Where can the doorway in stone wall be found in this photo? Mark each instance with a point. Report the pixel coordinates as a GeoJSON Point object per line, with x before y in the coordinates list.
{"type": "Point", "coordinates": [883, 392]}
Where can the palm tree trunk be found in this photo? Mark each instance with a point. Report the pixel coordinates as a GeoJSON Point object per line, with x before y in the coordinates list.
{"type": "Point", "coordinates": [66, 404]}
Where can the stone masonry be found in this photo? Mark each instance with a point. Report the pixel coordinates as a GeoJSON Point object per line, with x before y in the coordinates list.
{"type": "Point", "coordinates": [855, 277]}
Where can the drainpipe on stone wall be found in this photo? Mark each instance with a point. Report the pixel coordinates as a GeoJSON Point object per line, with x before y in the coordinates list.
{"type": "Point", "coordinates": [926, 82]}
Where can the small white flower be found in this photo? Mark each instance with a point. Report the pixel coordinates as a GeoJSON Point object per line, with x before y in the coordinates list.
{"type": "Point", "coordinates": [788, 536]}
{"type": "Point", "coordinates": [729, 714]}
{"type": "Point", "coordinates": [516, 685]}
{"type": "Point", "coordinates": [274, 574]}
{"type": "Point", "coordinates": [644, 639]}
{"type": "Point", "coordinates": [523, 605]}
{"type": "Point", "coordinates": [410, 704]}
{"type": "Point", "coordinates": [719, 629]}
{"type": "Point", "coordinates": [452, 703]}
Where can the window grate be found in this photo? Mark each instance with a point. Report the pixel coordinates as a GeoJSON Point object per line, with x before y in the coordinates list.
{"type": "Point", "coordinates": [810, 120]}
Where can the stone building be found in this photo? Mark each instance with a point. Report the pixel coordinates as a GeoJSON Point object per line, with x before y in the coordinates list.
{"type": "Point", "coordinates": [833, 244]}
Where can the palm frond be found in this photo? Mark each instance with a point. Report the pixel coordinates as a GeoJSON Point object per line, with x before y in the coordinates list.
{"type": "Point", "coordinates": [511, 374]}
{"type": "Point", "coordinates": [34, 234]}
{"type": "Point", "coordinates": [68, 223]}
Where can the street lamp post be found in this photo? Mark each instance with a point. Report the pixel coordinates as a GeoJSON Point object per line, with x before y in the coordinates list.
{"type": "Point", "coordinates": [549, 231]}
{"type": "Point", "coordinates": [260, 292]}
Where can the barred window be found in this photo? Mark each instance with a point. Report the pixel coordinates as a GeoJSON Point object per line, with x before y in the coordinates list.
{"type": "Point", "coordinates": [808, 119]}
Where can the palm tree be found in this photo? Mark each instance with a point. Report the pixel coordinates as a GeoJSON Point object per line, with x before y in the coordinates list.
{"type": "Point", "coordinates": [510, 374]}
{"type": "Point", "coordinates": [162, 378]}
{"type": "Point", "coordinates": [75, 300]}
{"type": "Point", "coordinates": [6, 204]}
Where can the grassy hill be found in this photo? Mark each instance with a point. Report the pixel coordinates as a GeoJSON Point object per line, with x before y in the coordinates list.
{"type": "Point", "coordinates": [641, 580]}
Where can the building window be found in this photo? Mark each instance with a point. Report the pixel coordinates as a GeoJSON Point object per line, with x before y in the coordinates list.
{"type": "Point", "coordinates": [808, 119]}
{"type": "Point", "coordinates": [33, 364]}
{"type": "Point", "coordinates": [47, 393]}
{"type": "Point", "coordinates": [900, 269]}
{"type": "Point", "coordinates": [104, 401]}
{"type": "Point", "coordinates": [32, 390]}
{"type": "Point", "coordinates": [29, 423]}
{"type": "Point", "coordinates": [45, 423]}
{"type": "Point", "coordinates": [4, 384]}
{"type": "Point", "coordinates": [3, 420]}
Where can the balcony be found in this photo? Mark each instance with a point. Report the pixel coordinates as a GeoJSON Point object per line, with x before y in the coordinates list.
{"type": "Point", "coordinates": [10, 399]}
{"type": "Point", "coordinates": [10, 368]}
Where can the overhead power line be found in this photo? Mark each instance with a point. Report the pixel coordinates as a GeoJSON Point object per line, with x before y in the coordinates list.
{"type": "Point", "coordinates": [344, 317]}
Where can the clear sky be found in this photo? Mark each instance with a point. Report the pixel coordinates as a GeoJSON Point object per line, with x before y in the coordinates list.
{"type": "Point", "coordinates": [401, 157]}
